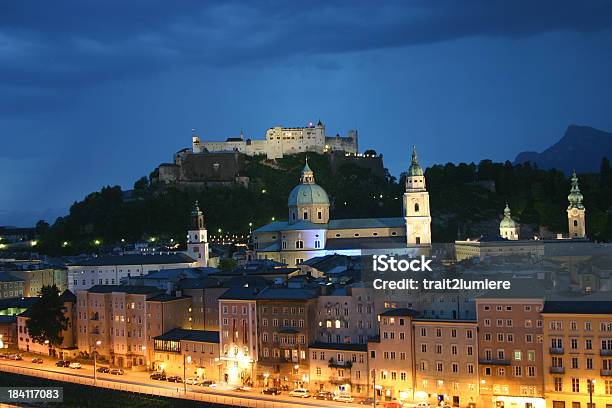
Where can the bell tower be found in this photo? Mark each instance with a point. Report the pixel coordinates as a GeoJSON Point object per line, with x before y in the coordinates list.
{"type": "Point", "coordinates": [197, 238]}
{"type": "Point", "coordinates": [576, 211]}
{"type": "Point", "coordinates": [416, 205]}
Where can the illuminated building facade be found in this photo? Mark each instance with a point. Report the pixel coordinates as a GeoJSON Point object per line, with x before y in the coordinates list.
{"type": "Point", "coordinates": [510, 338]}
{"type": "Point", "coordinates": [578, 353]}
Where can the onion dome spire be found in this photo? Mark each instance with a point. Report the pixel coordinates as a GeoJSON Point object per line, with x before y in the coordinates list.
{"type": "Point", "coordinates": [575, 196]}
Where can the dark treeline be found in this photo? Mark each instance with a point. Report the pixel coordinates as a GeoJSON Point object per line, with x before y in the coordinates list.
{"type": "Point", "coordinates": [461, 195]}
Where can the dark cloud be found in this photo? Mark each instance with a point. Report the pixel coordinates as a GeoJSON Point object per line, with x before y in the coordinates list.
{"type": "Point", "coordinates": [71, 44]}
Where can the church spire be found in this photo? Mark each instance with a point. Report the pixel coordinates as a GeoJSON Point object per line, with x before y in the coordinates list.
{"type": "Point", "coordinates": [307, 174]}
{"type": "Point", "coordinates": [415, 169]}
{"type": "Point", "coordinates": [197, 217]}
{"type": "Point", "coordinates": [575, 196]}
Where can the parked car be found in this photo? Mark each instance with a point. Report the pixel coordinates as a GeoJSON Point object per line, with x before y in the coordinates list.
{"type": "Point", "coordinates": [15, 357]}
{"type": "Point", "coordinates": [343, 398]}
{"type": "Point", "coordinates": [103, 370]}
{"type": "Point", "coordinates": [416, 405]}
{"type": "Point", "coordinates": [193, 381]}
{"type": "Point", "coordinates": [37, 360]}
{"type": "Point", "coordinates": [271, 391]}
{"type": "Point", "coordinates": [62, 363]}
{"type": "Point", "coordinates": [369, 401]}
{"type": "Point", "coordinates": [158, 376]}
{"type": "Point", "coordinates": [299, 392]}
{"type": "Point", "coordinates": [324, 395]}
{"type": "Point", "coordinates": [4, 356]}
{"type": "Point", "coordinates": [243, 388]}
{"type": "Point", "coordinates": [208, 383]}
{"type": "Point", "coordinates": [74, 365]}
{"type": "Point", "coordinates": [175, 379]}
{"type": "Point", "coordinates": [116, 371]}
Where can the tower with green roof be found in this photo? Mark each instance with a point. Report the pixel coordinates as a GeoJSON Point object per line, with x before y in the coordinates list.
{"type": "Point", "coordinates": [575, 210]}
{"type": "Point", "coordinates": [508, 228]}
{"type": "Point", "coordinates": [308, 201]}
{"type": "Point", "coordinates": [416, 205]}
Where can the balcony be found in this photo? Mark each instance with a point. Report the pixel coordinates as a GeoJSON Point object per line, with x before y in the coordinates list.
{"type": "Point", "coordinates": [557, 370]}
{"type": "Point", "coordinates": [557, 350]}
{"type": "Point", "coordinates": [484, 361]}
{"type": "Point", "coordinates": [604, 352]}
{"type": "Point", "coordinates": [605, 373]}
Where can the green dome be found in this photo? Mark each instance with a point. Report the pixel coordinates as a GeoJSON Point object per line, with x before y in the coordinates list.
{"type": "Point", "coordinates": [305, 194]}
{"type": "Point", "coordinates": [507, 221]}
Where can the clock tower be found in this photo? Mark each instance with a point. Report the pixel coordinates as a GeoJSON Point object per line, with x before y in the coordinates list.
{"type": "Point", "coordinates": [197, 238]}
{"type": "Point", "coordinates": [416, 205]}
{"type": "Point", "coordinates": [576, 211]}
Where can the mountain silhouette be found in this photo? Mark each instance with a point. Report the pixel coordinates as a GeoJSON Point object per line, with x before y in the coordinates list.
{"type": "Point", "coordinates": [580, 149]}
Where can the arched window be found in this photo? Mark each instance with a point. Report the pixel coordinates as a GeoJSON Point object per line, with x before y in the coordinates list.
{"type": "Point", "coordinates": [416, 207]}
{"type": "Point", "coordinates": [575, 223]}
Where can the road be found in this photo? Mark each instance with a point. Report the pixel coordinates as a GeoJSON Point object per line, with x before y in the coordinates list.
{"type": "Point", "coordinates": [139, 382]}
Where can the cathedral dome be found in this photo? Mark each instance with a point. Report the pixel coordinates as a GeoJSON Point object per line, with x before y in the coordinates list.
{"type": "Point", "coordinates": [305, 194]}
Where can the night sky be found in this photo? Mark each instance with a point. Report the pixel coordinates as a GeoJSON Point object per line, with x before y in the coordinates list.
{"type": "Point", "coordinates": [96, 93]}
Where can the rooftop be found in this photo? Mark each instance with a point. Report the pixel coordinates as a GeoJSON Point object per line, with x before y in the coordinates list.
{"type": "Point", "coordinates": [134, 259]}
{"type": "Point", "coordinates": [400, 312]}
{"type": "Point", "coordinates": [134, 290]}
{"type": "Point", "coordinates": [5, 277]}
{"type": "Point", "coordinates": [339, 346]}
{"type": "Point", "coordinates": [205, 336]}
{"type": "Point", "coordinates": [163, 297]}
{"type": "Point", "coordinates": [578, 307]}
{"type": "Point", "coordinates": [366, 243]}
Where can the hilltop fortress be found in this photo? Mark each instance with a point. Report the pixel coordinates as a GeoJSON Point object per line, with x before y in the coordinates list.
{"type": "Point", "coordinates": [222, 162]}
{"type": "Point", "coordinates": [280, 141]}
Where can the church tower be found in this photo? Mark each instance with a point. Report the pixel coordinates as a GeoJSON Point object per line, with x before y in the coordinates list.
{"type": "Point", "coordinates": [508, 228]}
{"type": "Point", "coordinates": [197, 238]}
{"type": "Point", "coordinates": [308, 201]}
{"type": "Point", "coordinates": [576, 211]}
{"type": "Point", "coordinates": [416, 205]}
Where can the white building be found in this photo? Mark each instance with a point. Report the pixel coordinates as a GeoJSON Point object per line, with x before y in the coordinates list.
{"type": "Point", "coordinates": [280, 141]}
{"type": "Point", "coordinates": [310, 232]}
{"type": "Point", "coordinates": [110, 269]}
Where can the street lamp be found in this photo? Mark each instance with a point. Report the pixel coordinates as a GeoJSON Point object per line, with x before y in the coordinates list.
{"type": "Point", "coordinates": [97, 343]}
{"type": "Point", "coordinates": [591, 387]}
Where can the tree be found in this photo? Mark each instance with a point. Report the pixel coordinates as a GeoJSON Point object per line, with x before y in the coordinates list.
{"type": "Point", "coordinates": [42, 226]}
{"type": "Point", "coordinates": [227, 264]}
{"type": "Point", "coordinates": [47, 320]}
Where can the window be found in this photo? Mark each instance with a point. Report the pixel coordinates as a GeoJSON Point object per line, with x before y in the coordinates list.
{"type": "Point", "coordinates": [416, 207]}
{"type": "Point", "coordinates": [299, 244]}
{"type": "Point", "coordinates": [575, 385]}
{"type": "Point", "coordinates": [558, 384]}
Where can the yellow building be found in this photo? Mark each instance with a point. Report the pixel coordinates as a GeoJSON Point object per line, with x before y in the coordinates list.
{"type": "Point", "coordinates": [578, 353]}
{"type": "Point", "coordinates": [339, 368]}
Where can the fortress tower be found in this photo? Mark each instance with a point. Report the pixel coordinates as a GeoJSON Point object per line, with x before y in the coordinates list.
{"type": "Point", "coordinates": [416, 205]}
